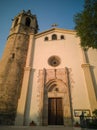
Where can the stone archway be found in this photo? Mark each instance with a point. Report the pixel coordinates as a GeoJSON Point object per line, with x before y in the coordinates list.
{"type": "Point", "coordinates": [53, 83]}
{"type": "Point", "coordinates": [56, 96]}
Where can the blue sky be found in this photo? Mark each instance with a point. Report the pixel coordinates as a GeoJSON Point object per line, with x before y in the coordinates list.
{"type": "Point", "coordinates": [48, 12]}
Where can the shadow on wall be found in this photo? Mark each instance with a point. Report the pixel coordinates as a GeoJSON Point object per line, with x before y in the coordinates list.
{"type": "Point", "coordinates": [7, 118]}
{"type": "Point", "coordinates": [92, 72]}
{"type": "Point", "coordinates": [93, 78]}
{"type": "Point", "coordinates": [33, 120]}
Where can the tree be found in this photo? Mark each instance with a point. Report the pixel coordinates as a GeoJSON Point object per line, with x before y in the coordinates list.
{"type": "Point", "coordinates": [86, 24]}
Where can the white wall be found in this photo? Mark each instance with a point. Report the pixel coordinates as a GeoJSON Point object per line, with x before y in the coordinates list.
{"type": "Point", "coordinates": [71, 57]}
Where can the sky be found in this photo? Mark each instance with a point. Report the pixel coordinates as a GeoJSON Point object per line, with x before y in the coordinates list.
{"type": "Point", "coordinates": [48, 12]}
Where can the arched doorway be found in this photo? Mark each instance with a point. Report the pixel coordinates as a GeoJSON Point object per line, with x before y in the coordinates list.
{"type": "Point", "coordinates": [56, 103]}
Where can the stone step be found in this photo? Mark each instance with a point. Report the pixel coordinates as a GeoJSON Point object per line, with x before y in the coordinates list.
{"type": "Point", "coordinates": [38, 128]}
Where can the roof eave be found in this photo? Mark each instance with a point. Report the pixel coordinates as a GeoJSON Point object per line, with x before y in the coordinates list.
{"type": "Point", "coordinates": [52, 30]}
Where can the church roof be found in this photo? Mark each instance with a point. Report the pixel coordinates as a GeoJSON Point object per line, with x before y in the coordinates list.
{"type": "Point", "coordinates": [53, 30]}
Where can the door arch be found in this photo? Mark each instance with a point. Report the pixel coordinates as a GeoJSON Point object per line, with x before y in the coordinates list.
{"type": "Point", "coordinates": [56, 91]}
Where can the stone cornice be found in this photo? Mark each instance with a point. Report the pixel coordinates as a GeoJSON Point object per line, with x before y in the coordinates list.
{"type": "Point", "coordinates": [85, 65]}
{"type": "Point", "coordinates": [27, 68]}
{"type": "Point", "coordinates": [53, 30]}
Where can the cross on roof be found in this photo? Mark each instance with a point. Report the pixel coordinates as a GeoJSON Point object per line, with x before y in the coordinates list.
{"type": "Point", "coordinates": [54, 25]}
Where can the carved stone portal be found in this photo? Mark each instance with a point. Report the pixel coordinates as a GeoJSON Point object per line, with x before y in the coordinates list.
{"type": "Point", "coordinates": [54, 97]}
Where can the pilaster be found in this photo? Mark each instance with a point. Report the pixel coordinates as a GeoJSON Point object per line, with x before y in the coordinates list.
{"type": "Point", "coordinates": [21, 110]}
{"type": "Point", "coordinates": [90, 86]}
{"type": "Point", "coordinates": [89, 81]}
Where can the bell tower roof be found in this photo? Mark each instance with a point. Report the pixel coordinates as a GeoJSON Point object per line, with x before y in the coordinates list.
{"type": "Point", "coordinates": [28, 13]}
{"type": "Point", "coordinates": [25, 22]}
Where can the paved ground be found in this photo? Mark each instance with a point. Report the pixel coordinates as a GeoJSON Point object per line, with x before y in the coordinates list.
{"type": "Point", "coordinates": [41, 128]}
{"type": "Point", "coordinates": [37, 128]}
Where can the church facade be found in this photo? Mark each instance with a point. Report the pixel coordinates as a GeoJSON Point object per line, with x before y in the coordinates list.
{"type": "Point", "coordinates": [45, 78]}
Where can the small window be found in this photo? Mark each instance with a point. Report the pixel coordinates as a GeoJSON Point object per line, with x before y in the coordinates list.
{"type": "Point", "coordinates": [12, 55]}
{"type": "Point", "coordinates": [28, 21]}
{"type": "Point", "coordinates": [46, 38]}
{"type": "Point", "coordinates": [16, 22]}
{"type": "Point", "coordinates": [62, 37]}
{"type": "Point", "coordinates": [54, 37]}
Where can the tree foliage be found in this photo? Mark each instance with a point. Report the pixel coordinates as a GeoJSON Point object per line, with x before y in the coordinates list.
{"type": "Point", "coordinates": [86, 24]}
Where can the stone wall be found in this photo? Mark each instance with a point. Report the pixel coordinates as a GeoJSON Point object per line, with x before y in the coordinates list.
{"type": "Point", "coordinates": [11, 75]}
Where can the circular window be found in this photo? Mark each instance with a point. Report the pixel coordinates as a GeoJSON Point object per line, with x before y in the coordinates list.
{"type": "Point", "coordinates": [54, 61]}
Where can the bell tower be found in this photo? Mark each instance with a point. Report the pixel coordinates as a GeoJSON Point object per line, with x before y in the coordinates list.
{"type": "Point", "coordinates": [12, 64]}
{"type": "Point", "coordinates": [25, 23]}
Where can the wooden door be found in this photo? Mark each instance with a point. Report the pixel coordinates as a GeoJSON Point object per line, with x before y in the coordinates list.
{"type": "Point", "coordinates": [55, 111]}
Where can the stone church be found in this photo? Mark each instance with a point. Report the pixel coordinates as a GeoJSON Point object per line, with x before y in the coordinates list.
{"type": "Point", "coordinates": [46, 77]}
